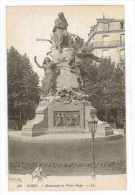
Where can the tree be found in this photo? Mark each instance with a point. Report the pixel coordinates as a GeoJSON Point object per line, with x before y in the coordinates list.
{"type": "Point", "coordinates": [23, 89]}
{"type": "Point", "coordinates": [104, 83]}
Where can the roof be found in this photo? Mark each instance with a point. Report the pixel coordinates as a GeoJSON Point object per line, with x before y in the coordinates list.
{"type": "Point", "coordinates": [108, 20]}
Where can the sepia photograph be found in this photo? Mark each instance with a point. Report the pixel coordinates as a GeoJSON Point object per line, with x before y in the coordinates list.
{"type": "Point", "coordinates": [66, 97]}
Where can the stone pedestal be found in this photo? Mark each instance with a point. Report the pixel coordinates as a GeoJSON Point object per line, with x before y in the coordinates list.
{"type": "Point", "coordinates": [56, 116]}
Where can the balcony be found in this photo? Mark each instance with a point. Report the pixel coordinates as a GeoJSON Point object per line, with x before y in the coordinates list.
{"type": "Point", "coordinates": [106, 44]}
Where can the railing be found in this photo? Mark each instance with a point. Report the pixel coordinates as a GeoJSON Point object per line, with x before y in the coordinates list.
{"type": "Point", "coordinates": [106, 44]}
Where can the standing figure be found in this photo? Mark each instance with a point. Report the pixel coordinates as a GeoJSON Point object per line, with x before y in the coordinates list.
{"type": "Point", "coordinates": [60, 36]}
{"type": "Point", "coordinates": [50, 75]}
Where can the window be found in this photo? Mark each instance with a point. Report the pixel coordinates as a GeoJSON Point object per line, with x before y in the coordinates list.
{"type": "Point", "coordinates": [103, 27]}
{"type": "Point", "coordinates": [106, 53]}
{"type": "Point", "coordinates": [122, 40]}
{"type": "Point", "coordinates": [114, 26]}
{"type": "Point", "coordinates": [100, 27]}
{"type": "Point", "coordinates": [106, 39]}
{"type": "Point", "coordinates": [106, 27]}
{"type": "Point", "coordinates": [122, 25]}
{"type": "Point", "coordinates": [122, 55]}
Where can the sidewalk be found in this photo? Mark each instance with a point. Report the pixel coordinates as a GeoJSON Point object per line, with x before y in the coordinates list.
{"type": "Point", "coordinates": [16, 135]}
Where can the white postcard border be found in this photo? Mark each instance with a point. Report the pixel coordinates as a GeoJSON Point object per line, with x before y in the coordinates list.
{"type": "Point", "coordinates": [130, 91]}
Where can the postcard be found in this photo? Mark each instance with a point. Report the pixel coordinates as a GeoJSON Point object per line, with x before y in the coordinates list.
{"type": "Point", "coordinates": [66, 97]}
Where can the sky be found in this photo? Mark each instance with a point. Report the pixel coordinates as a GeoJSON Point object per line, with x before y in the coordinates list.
{"type": "Point", "coordinates": [25, 24]}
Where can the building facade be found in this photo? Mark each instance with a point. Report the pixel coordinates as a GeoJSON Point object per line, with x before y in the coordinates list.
{"type": "Point", "coordinates": [106, 39]}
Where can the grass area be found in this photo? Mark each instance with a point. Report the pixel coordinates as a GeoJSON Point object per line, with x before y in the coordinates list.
{"type": "Point", "coordinates": [68, 157]}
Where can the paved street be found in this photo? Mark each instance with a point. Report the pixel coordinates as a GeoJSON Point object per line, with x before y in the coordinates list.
{"type": "Point", "coordinates": [68, 157]}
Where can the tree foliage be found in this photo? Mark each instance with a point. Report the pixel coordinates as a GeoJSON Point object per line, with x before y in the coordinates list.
{"type": "Point", "coordinates": [23, 89]}
{"type": "Point", "coordinates": [104, 83]}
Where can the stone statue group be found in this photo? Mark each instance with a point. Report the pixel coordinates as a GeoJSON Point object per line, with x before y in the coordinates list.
{"type": "Point", "coordinates": [59, 64]}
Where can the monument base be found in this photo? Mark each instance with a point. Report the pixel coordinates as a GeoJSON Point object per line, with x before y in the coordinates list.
{"type": "Point", "coordinates": [57, 116]}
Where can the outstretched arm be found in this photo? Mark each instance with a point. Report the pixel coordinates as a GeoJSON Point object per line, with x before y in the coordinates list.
{"type": "Point", "coordinates": [35, 60]}
{"type": "Point", "coordinates": [44, 40]}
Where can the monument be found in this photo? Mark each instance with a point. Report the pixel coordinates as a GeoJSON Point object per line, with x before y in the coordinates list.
{"type": "Point", "coordinates": [63, 106]}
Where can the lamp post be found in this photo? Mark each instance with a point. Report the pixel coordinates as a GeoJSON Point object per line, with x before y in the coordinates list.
{"type": "Point", "coordinates": [92, 125]}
